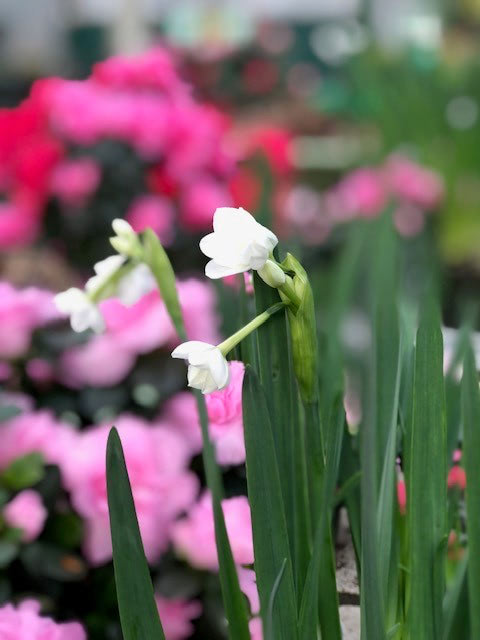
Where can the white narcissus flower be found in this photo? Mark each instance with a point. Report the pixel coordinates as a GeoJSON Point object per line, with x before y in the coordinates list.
{"type": "Point", "coordinates": [125, 240]}
{"type": "Point", "coordinates": [84, 314]}
{"type": "Point", "coordinates": [135, 284]}
{"type": "Point", "coordinates": [207, 368]}
{"type": "Point", "coordinates": [238, 243]}
{"type": "Point", "coordinates": [104, 270]}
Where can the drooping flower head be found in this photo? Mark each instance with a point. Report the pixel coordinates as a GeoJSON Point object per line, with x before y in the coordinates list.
{"type": "Point", "coordinates": [207, 367]}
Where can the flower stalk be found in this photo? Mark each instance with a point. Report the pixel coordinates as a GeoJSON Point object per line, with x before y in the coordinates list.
{"type": "Point", "coordinates": [230, 343]}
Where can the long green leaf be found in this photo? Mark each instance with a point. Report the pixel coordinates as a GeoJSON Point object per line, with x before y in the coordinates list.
{"type": "Point", "coordinates": [471, 435]}
{"type": "Point", "coordinates": [321, 554]}
{"type": "Point", "coordinates": [278, 381]}
{"type": "Point", "coordinates": [136, 603]}
{"type": "Point", "coordinates": [270, 536]}
{"type": "Point", "coordinates": [233, 599]}
{"type": "Point", "coordinates": [427, 500]}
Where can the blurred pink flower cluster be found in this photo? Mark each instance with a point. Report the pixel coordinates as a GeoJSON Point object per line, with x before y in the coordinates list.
{"type": "Point", "coordinates": [21, 312]}
{"type": "Point", "coordinates": [130, 331]}
{"type": "Point", "coordinates": [105, 359]}
{"type": "Point", "coordinates": [139, 101]}
{"type": "Point", "coordinates": [410, 189]}
{"type": "Point", "coordinates": [25, 623]}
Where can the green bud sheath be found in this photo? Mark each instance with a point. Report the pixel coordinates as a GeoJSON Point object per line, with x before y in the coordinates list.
{"type": "Point", "coordinates": [303, 331]}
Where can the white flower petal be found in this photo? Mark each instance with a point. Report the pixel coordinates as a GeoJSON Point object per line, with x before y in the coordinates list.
{"type": "Point", "coordinates": [219, 368]}
{"type": "Point", "coordinates": [213, 270]}
{"type": "Point", "coordinates": [122, 227]}
{"type": "Point", "coordinates": [192, 346]}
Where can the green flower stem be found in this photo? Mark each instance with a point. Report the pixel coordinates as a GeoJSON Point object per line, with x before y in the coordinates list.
{"type": "Point", "coordinates": [227, 345]}
{"type": "Point", "coordinates": [112, 280]}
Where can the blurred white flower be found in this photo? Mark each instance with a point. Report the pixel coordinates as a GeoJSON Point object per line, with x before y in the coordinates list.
{"type": "Point", "coordinates": [84, 314]}
{"type": "Point", "coordinates": [238, 243]}
{"type": "Point", "coordinates": [207, 367]}
{"type": "Point", "coordinates": [125, 240]}
{"type": "Point", "coordinates": [135, 284]}
{"type": "Point", "coordinates": [104, 271]}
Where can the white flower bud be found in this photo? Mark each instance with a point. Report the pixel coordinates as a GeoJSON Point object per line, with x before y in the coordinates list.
{"type": "Point", "coordinates": [207, 368]}
{"type": "Point", "coordinates": [272, 274]}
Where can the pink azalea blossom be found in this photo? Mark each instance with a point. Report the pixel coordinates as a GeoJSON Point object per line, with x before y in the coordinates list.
{"type": "Point", "coordinates": [362, 192]}
{"type": "Point", "coordinates": [176, 616]}
{"type": "Point", "coordinates": [21, 312]}
{"type": "Point", "coordinates": [154, 212]}
{"type": "Point", "coordinates": [194, 535]}
{"type": "Point", "coordinates": [413, 183]}
{"type": "Point", "coordinates": [200, 199]}
{"type": "Point", "coordinates": [457, 477]}
{"type": "Point", "coordinates": [36, 431]}
{"type": "Point", "coordinates": [248, 584]}
{"type": "Point", "coordinates": [256, 630]}
{"type": "Point", "coordinates": [107, 359]}
{"type": "Point", "coordinates": [25, 623]}
{"type": "Point", "coordinates": [402, 496]}
{"type": "Point", "coordinates": [225, 418]}
{"type": "Point", "coordinates": [409, 220]}
{"type": "Point", "coordinates": [73, 181]}
{"type": "Point", "coordinates": [26, 512]}
{"type": "Point", "coordinates": [19, 224]}
{"type": "Point", "coordinates": [40, 370]}
{"type": "Point", "coordinates": [162, 487]}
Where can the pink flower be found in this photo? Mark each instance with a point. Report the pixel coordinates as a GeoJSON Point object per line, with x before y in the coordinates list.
{"type": "Point", "coordinates": [256, 630]}
{"type": "Point", "coordinates": [199, 202]}
{"type": "Point", "coordinates": [26, 512]}
{"type": "Point", "coordinates": [194, 535]}
{"type": "Point", "coordinates": [176, 616]}
{"type": "Point", "coordinates": [248, 584]}
{"type": "Point", "coordinates": [457, 477]}
{"type": "Point", "coordinates": [36, 431]}
{"type": "Point", "coordinates": [157, 461]}
{"type": "Point", "coordinates": [232, 281]}
{"type": "Point", "coordinates": [73, 181]}
{"type": "Point", "coordinates": [362, 192]}
{"type": "Point", "coordinates": [102, 362]}
{"type": "Point", "coordinates": [409, 220]}
{"type": "Point", "coordinates": [19, 225]}
{"type": "Point", "coordinates": [40, 370]}
{"type": "Point", "coordinates": [155, 212]}
{"type": "Point", "coordinates": [409, 181]}
{"type": "Point", "coordinates": [24, 623]}
{"type": "Point", "coordinates": [402, 496]}
{"type": "Point", "coordinates": [154, 69]}
{"type": "Point", "coordinates": [224, 414]}
{"type": "Point", "coordinates": [21, 312]}
{"type": "Point", "coordinates": [145, 326]}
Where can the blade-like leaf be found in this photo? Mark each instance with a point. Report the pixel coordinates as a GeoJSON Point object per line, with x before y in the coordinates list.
{"type": "Point", "coordinates": [160, 266]}
{"type": "Point", "coordinates": [427, 500]}
{"type": "Point", "coordinates": [136, 604]}
{"type": "Point", "coordinates": [270, 536]}
{"type": "Point", "coordinates": [333, 446]}
{"type": "Point", "coordinates": [471, 436]}
{"type": "Point", "coordinates": [277, 378]}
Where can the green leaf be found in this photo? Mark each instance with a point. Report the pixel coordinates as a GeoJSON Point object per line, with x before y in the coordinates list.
{"type": "Point", "coordinates": [453, 602]}
{"type": "Point", "coordinates": [24, 472]}
{"type": "Point", "coordinates": [270, 536]}
{"type": "Point", "coordinates": [136, 603]}
{"type": "Point", "coordinates": [278, 381]}
{"type": "Point", "coordinates": [157, 259]}
{"type": "Point", "coordinates": [322, 546]}
{"type": "Point", "coordinates": [471, 442]}
{"type": "Point", "coordinates": [427, 499]}
{"type": "Point", "coordinates": [233, 598]}
{"type": "Point", "coordinates": [44, 560]}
